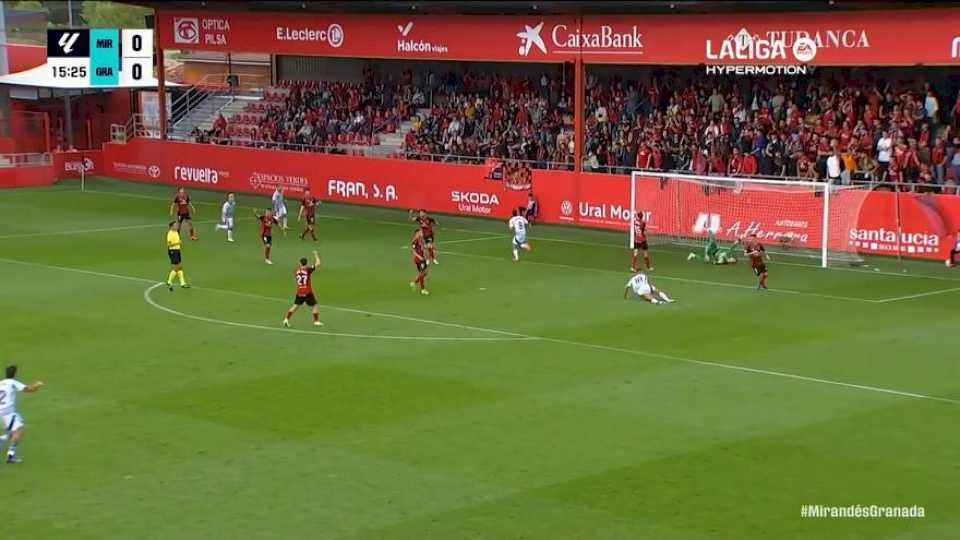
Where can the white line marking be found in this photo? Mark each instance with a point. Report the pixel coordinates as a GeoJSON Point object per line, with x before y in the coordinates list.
{"type": "Point", "coordinates": [464, 240]}
{"type": "Point", "coordinates": [918, 295]}
{"type": "Point", "coordinates": [755, 370]}
{"type": "Point", "coordinates": [655, 276]}
{"type": "Point", "coordinates": [149, 299]}
{"type": "Point", "coordinates": [647, 354]}
{"type": "Point", "coordinates": [273, 299]}
{"type": "Point", "coordinates": [159, 226]}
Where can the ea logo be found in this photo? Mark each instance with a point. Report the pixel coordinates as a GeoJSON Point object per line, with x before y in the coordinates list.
{"type": "Point", "coordinates": [153, 171]}
{"type": "Point", "coordinates": [335, 35]}
{"type": "Point", "coordinates": [804, 49]}
{"type": "Point", "coordinates": [566, 208]}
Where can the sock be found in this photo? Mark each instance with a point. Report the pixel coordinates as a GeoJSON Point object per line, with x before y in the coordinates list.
{"type": "Point", "coordinates": [289, 314]}
{"type": "Point", "coordinates": [303, 234]}
{"type": "Point", "coordinates": [422, 280]}
{"type": "Point", "coordinates": [173, 274]}
{"type": "Point", "coordinates": [316, 317]}
{"type": "Point", "coordinates": [664, 296]}
{"type": "Point", "coordinates": [646, 260]}
{"type": "Point", "coordinates": [266, 253]}
{"type": "Point", "coordinates": [191, 230]}
{"type": "Point", "coordinates": [516, 254]}
{"type": "Point", "coordinates": [12, 451]}
{"type": "Point", "coordinates": [284, 222]}
{"type": "Point", "coordinates": [313, 235]}
{"type": "Point", "coordinates": [763, 282]}
{"type": "Point", "coordinates": [655, 301]}
{"type": "Point", "coordinates": [433, 254]}
{"type": "Point", "coordinates": [183, 278]}
{"type": "Point", "coordinates": [229, 234]}
{"type": "Point", "coordinates": [633, 261]}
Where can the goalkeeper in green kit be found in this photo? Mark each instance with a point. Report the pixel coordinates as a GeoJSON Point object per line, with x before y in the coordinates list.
{"type": "Point", "coordinates": [716, 254]}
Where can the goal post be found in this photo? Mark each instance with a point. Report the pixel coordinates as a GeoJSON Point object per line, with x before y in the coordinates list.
{"type": "Point", "coordinates": [809, 220]}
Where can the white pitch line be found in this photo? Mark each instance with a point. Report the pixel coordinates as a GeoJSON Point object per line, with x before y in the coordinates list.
{"type": "Point", "coordinates": [656, 276]}
{"type": "Point", "coordinates": [918, 295]}
{"type": "Point", "coordinates": [273, 299]}
{"type": "Point", "coordinates": [608, 348]}
{"type": "Point", "coordinates": [104, 229]}
{"type": "Point", "coordinates": [465, 240]}
{"type": "Point", "coordinates": [149, 299]}
{"type": "Point", "coordinates": [755, 370]}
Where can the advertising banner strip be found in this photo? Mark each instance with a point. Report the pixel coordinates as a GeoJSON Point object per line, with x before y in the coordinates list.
{"type": "Point", "coordinates": [840, 38]}
{"type": "Point", "coordinates": [589, 199]}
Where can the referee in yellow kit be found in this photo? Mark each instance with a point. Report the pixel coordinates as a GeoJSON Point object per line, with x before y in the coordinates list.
{"type": "Point", "coordinates": [173, 250]}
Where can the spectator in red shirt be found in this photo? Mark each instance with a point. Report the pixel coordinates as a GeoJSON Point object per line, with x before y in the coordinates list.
{"type": "Point", "coordinates": [735, 166]}
{"type": "Point", "coordinates": [938, 158]}
{"type": "Point", "coordinates": [750, 166]}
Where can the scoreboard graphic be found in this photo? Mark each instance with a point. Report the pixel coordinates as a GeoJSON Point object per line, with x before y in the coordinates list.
{"type": "Point", "coordinates": [100, 57]}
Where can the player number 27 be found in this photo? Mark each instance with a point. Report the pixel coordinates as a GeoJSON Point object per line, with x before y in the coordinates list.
{"type": "Point", "coordinates": [302, 279]}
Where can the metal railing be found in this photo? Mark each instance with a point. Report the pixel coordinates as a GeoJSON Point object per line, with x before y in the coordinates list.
{"type": "Point", "coordinates": [26, 159]}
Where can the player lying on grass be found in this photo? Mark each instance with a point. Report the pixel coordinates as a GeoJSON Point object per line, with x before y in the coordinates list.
{"type": "Point", "coordinates": [181, 203]}
{"type": "Point", "coordinates": [417, 247]}
{"type": "Point", "coordinates": [303, 276]}
{"type": "Point", "coordinates": [426, 224]}
{"type": "Point", "coordinates": [518, 226]}
{"type": "Point", "coordinates": [758, 257]}
{"type": "Point", "coordinates": [714, 253]}
{"type": "Point", "coordinates": [13, 423]}
{"type": "Point", "coordinates": [642, 288]}
{"type": "Point", "coordinates": [226, 216]}
{"type": "Point", "coordinates": [173, 252]}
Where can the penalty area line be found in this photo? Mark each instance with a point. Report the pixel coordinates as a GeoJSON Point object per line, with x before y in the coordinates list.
{"type": "Point", "coordinates": [647, 354]}
{"type": "Point", "coordinates": [918, 295]}
{"type": "Point", "coordinates": [147, 296]}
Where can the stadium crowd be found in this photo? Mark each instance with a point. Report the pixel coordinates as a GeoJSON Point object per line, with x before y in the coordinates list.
{"type": "Point", "coordinates": [828, 127]}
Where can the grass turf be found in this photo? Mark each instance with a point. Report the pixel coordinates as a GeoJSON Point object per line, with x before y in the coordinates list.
{"type": "Point", "coordinates": [559, 411]}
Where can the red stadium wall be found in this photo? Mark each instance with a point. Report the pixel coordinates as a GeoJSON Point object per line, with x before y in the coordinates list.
{"type": "Point", "coordinates": [26, 176]}
{"type": "Point", "coordinates": [589, 200]}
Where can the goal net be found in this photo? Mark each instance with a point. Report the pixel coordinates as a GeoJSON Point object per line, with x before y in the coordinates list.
{"type": "Point", "coordinates": [809, 220]}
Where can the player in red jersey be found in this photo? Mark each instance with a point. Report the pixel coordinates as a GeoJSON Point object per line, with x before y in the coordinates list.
{"type": "Point", "coordinates": [758, 256]}
{"type": "Point", "coordinates": [308, 210]}
{"type": "Point", "coordinates": [426, 224]}
{"type": "Point", "coordinates": [303, 275]}
{"type": "Point", "coordinates": [420, 261]}
{"type": "Point", "coordinates": [181, 203]}
{"type": "Point", "coordinates": [640, 243]}
{"type": "Point", "coordinates": [267, 221]}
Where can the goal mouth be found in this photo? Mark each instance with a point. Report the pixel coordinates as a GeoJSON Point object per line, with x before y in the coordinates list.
{"type": "Point", "coordinates": [802, 220]}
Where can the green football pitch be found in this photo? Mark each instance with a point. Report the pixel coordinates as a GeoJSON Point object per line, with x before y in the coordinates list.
{"type": "Point", "coordinates": [519, 400]}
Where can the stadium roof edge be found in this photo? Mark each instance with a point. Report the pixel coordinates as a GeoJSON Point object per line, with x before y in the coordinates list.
{"type": "Point", "coordinates": [473, 7]}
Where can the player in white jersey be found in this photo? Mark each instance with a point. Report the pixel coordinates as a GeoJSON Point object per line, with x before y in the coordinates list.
{"type": "Point", "coordinates": [13, 423]}
{"type": "Point", "coordinates": [280, 208]}
{"type": "Point", "coordinates": [642, 288]}
{"type": "Point", "coordinates": [226, 216]}
{"type": "Point", "coordinates": [518, 225]}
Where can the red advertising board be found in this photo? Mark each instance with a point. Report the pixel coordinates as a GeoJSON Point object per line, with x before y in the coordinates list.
{"type": "Point", "coordinates": [72, 164]}
{"type": "Point", "coordinates": [369, 36]}
{"type": "Point", "coordinates": [26, 176]}
{"type": "Point", "coordinates": [450, 188]}
{"type": "Point", "coordinates": [862, 221]}
{"type": "Point", "coordinates": [897, 37]}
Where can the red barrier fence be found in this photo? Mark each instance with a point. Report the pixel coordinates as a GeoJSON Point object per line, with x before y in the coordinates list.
{"type": "Point", "coordinates": [591, 200]}
{"type": "Point", "coordinates": [895, 37]}
{"type": "Point", "coordinates": [26, 176]}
